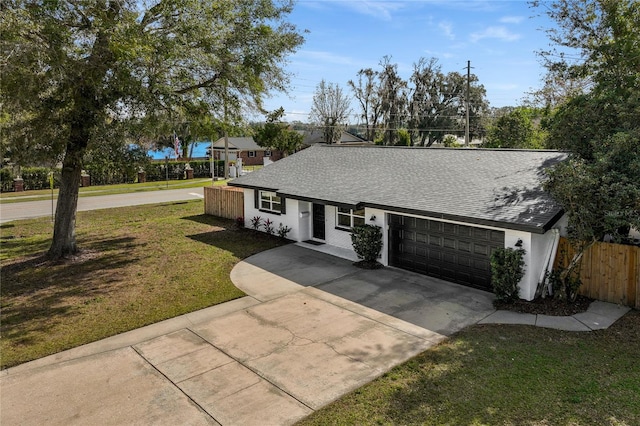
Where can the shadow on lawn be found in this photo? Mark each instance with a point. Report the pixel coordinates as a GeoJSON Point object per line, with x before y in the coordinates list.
{"type": "Point", "coordinates": [36, 290]}
{"type": "Point", "coordinates": [225, 235]}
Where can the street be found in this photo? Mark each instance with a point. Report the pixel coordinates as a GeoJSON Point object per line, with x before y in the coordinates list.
{"type": "Point", "coordinates": [31, 209]}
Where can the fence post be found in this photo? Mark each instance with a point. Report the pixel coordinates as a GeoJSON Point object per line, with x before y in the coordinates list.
{"type": "Point", "coordinates": [18, 185]}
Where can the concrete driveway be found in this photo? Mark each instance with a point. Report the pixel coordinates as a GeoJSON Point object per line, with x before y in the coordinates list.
{"type": "Point", "coordinates": [430, 303]}
{"type": "Point", "coordinates": [313, 328]}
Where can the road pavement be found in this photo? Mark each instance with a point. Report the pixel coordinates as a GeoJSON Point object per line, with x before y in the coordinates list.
{"type": "Point", "coordinates": [32, 209]}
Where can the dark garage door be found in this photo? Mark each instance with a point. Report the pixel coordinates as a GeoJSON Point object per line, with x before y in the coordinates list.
{"type": "Point", "coordinates": [456, 253]}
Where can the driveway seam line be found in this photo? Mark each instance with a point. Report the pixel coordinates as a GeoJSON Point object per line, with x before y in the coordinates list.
{"type": "Point", "coordinates": [254, 371]}
{"type": "Point", "coordinates": [175, 385]}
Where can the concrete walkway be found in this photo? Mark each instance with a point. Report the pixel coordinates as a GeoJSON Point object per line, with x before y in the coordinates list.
{"type": "Point", "coordinates": [271, 358]}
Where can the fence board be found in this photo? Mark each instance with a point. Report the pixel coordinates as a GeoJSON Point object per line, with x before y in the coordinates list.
{"type": "Point", "coordinates": [224, 201]}
{"type": "Point", "coordinates": [609, 272]}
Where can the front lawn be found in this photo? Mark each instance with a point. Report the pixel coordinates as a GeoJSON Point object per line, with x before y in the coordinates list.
{"type": "Point", "coordinates": [138, 265]}
{"type": "Point", "coordinates": [506, 375]}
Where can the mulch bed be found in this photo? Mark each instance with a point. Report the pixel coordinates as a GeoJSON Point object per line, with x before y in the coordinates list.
{"type": "Point", "coordinates": [547, 306]}
{"type": "Point", "coordinates": [365, 264]}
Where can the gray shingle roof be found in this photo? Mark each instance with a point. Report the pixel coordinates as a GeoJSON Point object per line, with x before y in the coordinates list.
{"type": "Point", "coordinates": [240, 143]}
{"type": "Point", "coordinates": [492, 187]}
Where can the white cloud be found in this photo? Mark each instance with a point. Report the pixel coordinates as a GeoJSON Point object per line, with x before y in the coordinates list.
{"type": "Point", "coordinates": [436, 54]}
{"type": "Point", "coordinates": [511, 19]}
{"type": "Point", "coordinates": [378, 9]}
{"type": "Point", "coordinates": [500, 33]}
{"type": "Point", "coordinates": [324, 57]}
{"type": "Point", "coordinates": [447, 29]}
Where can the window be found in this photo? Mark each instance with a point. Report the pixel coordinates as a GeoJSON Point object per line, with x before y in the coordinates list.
{"type": "Point", "coordinates": [267, 153]}
{"type": "Point", "coordinates": [270, 202]}
{"type": "Point", "coordinates": [252, 154]}
{"type": "Point", "coordinates": [348, 218]}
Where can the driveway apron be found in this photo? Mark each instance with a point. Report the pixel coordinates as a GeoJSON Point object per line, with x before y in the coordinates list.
{"type": "Point", "coordinates": [313, 328]}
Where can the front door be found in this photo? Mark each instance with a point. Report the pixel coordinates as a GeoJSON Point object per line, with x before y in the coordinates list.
{"type": "Point", "coordinates": [318, 221]}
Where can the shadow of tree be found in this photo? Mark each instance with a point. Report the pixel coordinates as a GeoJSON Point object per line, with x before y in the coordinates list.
{"type": "Point", "coordinates": [208, 219]}
{"type": "Point", "coordinates": [527, 203]}
{"type": "Point", "coordinates": [242, 243]}
{"type": "Point", "coordinates": [38, 291]}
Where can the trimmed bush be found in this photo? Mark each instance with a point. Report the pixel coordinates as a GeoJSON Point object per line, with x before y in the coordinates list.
{"type": "Point", "coordinates": [6, 180]}
{"type": "Point", "coordinates": [507, 269]}
{"type": "Point", "coordinates": [367, 242]}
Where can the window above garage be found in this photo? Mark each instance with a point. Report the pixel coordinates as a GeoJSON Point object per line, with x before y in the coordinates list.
{"type": "Point", "coordinates": [348, 218]}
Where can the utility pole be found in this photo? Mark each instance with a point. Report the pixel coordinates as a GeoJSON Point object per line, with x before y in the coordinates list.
{"type": "Point", "coordinates": [466, 124]}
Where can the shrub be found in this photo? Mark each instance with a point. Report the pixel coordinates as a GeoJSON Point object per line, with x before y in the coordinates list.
{"type": "Point", "coordinates": [564, 284]}
{"type": "Point", "coordinates": [451, 141]}
{"type": "Point", "coordinates": [507, 269]}
{"type": "Point", "coordinates": [6, 179]}
{"type": "Point", "coordinates": [268, 226]}
{"type": "Point", "coordinates": [367, 242]}
{"type": "Point", "coordinates": [283, 231]}
{"type": "Point", "coordinates": [35, 178]}
{"type": "Point", "coordinates": [240, 222]}
{"type": "Point", "coordinates": [256, 222]}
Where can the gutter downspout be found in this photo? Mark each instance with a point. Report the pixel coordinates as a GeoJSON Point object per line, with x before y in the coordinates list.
{"type": "Point", "coordinates": [548, 266]}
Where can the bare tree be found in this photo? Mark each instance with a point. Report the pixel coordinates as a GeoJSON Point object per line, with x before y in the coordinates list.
{"type": "Point", "coordinates": [330, 110]}
{"type": "Point", "coordinates": [368, 96]}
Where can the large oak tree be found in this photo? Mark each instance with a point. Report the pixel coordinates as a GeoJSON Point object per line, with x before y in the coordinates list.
{"type": "Point", "coordinates": [71, 68]}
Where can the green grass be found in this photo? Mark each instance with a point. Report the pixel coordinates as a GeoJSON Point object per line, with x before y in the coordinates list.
{"type": "Point", "coordinates": [91, 191]}
{"type": "Point", "coordinates": [138, 265]}
{"type": "Point", "coordinates": [506, 375]}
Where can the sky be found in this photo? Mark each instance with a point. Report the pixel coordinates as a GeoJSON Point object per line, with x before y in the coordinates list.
{"type": "Point", "coordinates": [499, 37]}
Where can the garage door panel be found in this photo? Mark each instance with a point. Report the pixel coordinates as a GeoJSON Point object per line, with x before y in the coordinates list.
{"type": "Point", "coordinates": [434, 227]}
{"type": "Point", "coordinates": [497, 237]}
{"type": "Point", "coordinates": [449, 228]}
{"type": "Point", "coordinates": [481, 249]}
{"type": "Point", "coordinates": [464, 232]}
{"type": "Point", "coordinates": [453, 252]}
{"type": "Point", "coordinates": [464, 246]}
{"type": "Point", "coordinates": [449, 243]}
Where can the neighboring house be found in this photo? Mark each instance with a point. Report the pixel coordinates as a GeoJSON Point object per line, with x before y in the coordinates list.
{"type": "Point", "coordinates": [245, 148]}
{"type": "Point", "coordinates": [442, 211]}
{"type": "Point", "coordinates": [312, 137]}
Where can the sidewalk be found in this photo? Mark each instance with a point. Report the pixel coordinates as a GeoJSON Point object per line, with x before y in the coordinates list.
{"type": "Point", "coordinates": [599, 316]}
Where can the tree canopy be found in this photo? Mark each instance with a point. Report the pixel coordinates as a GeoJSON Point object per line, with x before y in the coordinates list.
{"type": "Point", "coordinates": [276, 134]}
{"type": "Point", "coordinates": [599, 187]}
{"type": "Point", "coordinates": [517, 128]}
{"type": "Point", "coordinates": [429, 105]}
{"type": "Point", "coordinates": [71, 69]}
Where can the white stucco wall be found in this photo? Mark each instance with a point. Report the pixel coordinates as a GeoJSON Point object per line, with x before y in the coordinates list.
{"type": "Point", "coordinates": [335, 237]}
{"type": "Point", "coordinates": [381, 220]}
{"type": "Point", "coordinates": [299, 217]}
{"type": "Point", "coordinates": [305, 217]}
{"type": "Point", "coordinates": [291, 218]}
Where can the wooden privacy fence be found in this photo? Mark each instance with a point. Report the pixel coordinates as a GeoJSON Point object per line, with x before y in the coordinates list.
{"type": "Point", "coordinates": [224, 201]}
{"type": "Point", "coordinates": [609, 272]}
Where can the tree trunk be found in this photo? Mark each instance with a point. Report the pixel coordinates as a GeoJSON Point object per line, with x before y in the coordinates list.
{"type": "Point", "coordinates": [64, 228]}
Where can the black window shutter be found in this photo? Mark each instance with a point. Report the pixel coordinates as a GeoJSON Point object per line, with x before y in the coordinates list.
{"type": "Point", "coordinates": [256, 199]}
{"type": "Point", "coordinates": [283, 205]}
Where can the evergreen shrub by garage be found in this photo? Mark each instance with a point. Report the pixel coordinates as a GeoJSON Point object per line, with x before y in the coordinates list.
{"type": "Point", "coordinates": [367, 242]}
{"type": "Point", "coordinates": [507, 269]}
